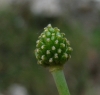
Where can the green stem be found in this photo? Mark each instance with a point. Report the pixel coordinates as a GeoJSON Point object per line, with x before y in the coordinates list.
{"type": "Point", "coordinates": [60, 82]}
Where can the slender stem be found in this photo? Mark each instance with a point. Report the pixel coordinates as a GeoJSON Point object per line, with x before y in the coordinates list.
{"type": "Point", "coordinates": [60, 82]}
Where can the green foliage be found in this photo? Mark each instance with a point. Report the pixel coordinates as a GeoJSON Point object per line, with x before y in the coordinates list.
{"type": "Point", "coordinates": [17, 44]}
{"type": "Point", "coordinates": [95, 38]}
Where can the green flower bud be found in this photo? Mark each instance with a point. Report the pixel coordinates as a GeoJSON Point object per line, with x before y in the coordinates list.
{"type": "Point", "coordinates": [52, 48]}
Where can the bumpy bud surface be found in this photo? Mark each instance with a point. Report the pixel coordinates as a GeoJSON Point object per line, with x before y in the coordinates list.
{"type": "Point", "coordinates": [52, 48]}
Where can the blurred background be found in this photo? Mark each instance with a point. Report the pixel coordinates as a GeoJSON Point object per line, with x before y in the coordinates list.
{"type": "Point", "coordinates": [22, 21]}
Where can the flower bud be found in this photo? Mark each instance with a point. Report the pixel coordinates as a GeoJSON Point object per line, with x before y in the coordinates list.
{"type": "Point", "coordinates": [52, 48]}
